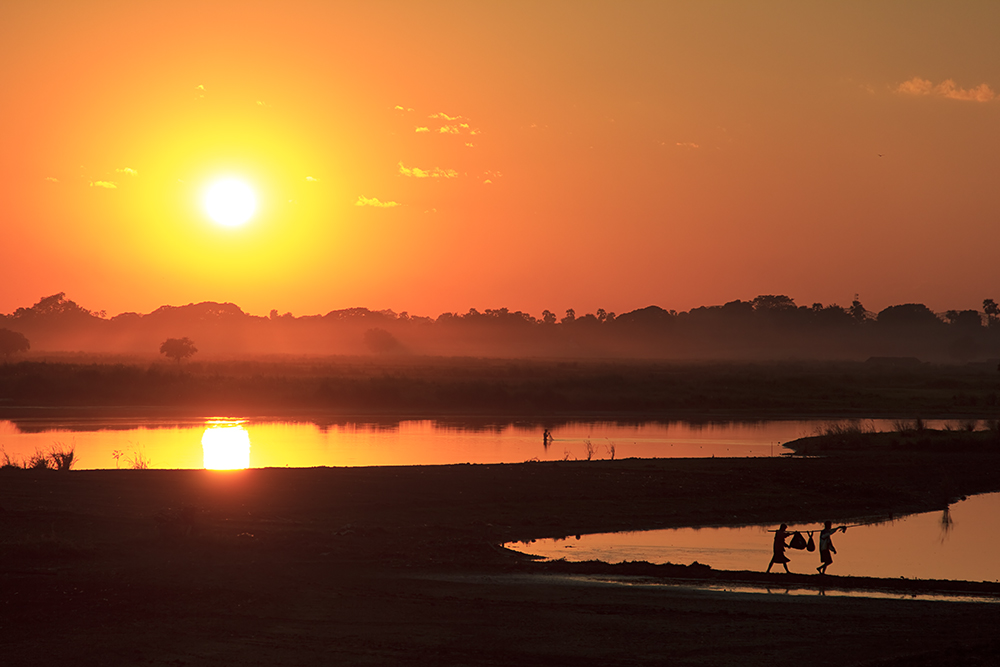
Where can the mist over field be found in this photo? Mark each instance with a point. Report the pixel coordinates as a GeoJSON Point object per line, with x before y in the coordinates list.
{"type": "Point", "coordinates": [768, 327]}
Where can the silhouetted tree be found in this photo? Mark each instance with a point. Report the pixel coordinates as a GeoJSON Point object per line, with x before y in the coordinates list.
{"type": "Point", "coordinates": [178, 348]}
{"type": "Point", "coordinates": [57, 306]}
{"type": "Point", "coordinates": [771, 302]}
{"type": "Point", "coordinates": [964, 319]}
{"type": "Point", "coordinates": [548, 317]}
{"type": "Point", "coordinates": [12, 342]}
{"type": "Point", "coordinates": [992, 312]}
{"type": "Point", "coordinates": [858, 311]}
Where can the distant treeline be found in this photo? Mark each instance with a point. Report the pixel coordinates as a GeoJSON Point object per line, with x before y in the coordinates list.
{"type": "Point", "coordinates": [768, 327]}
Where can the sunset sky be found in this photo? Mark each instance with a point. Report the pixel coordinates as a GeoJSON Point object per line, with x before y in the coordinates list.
{"type": "Point", "coordinates": [437, 156]}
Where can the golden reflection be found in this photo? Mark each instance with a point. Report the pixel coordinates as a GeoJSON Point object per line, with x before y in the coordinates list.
{"type": "Point", "coordinates": [226, 445]}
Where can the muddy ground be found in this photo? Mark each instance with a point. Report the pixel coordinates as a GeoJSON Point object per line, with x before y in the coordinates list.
{"type": "Point", "coordinates": [376, 566]}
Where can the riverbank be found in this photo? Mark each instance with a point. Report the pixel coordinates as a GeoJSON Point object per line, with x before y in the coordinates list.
{"type": "Point", "coordinates": [403, 565]}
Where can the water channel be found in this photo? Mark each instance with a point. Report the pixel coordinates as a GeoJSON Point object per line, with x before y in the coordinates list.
{"type": "Point", "coordinates": [957, 544]}
{"type": "Point", "coordinates": [237, 442]}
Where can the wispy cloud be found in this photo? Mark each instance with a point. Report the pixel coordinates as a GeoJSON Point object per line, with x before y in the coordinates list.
{"type": "Point", "coordinates": [401, 108]}
{"type": "Point", "coordinates": [127, 170]}
{"type": "Point", "coordinates": [947, 89]}
{"type": "Point", "coordinates": [443, 116]}
{"type": "Point", "coordinates": [688, 144]}
{"type": "Point", "coordinates": [103, 184]}
{"type": "Point", "coordinates": [199, 90]}
{"type": "Point", "coordinates": [374, 201]}
{"type": "Point", "coordinates": [312, 180]}
{"type": "Point", "coordinates": [51, 179]}
{"type": "Point", "coordinates": [422, 129]}
{"type": "Point", "coordinates": [436, 172]}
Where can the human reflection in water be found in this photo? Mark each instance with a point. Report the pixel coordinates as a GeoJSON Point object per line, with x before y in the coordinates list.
{"type": "Point", "coordinates": [546, 438]}
{"type": "Point", "coordinates": [826, 549]}
{"type": "Point", "coordinates": [779, 556]}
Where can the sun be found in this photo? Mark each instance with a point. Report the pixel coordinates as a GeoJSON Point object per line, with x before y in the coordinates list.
{"type": "Point", "coordinates": [230, 202]}
{"type": "Point", "coordinates": [226, 445]}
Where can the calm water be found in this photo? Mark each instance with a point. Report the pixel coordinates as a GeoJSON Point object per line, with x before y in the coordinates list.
{"type": "Point", "coordinates": [959, 544]}
{"type": "Point", "coordinates": [259, 443]}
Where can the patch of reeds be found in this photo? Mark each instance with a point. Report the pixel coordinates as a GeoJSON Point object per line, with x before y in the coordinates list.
{"type": "Point", "coordinates": [846, 428]}
{"type": "Point", "coordinates": [136, 459]}
{"type": "Point", "coordinates": [60, 457]}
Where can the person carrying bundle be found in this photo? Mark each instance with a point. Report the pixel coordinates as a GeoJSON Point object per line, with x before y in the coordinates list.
{"type": "Point", "coordinates": [779, 556]}
{"type": "Point", "coordinates": [826, 548]}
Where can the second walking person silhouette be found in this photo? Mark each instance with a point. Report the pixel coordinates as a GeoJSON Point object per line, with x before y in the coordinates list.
{"type": "Point", "coordinates": [826, 548]}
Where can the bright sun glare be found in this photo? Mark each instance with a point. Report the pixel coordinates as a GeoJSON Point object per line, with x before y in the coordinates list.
{"type": "Point", "coordinates": [226, 445]}
{"type": "Point", "coordinates": [230, 202]}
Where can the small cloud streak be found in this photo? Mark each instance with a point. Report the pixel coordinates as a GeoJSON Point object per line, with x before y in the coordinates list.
{"type": "Point", "coordinates": [127, 170]}
{"type": "Point", "coordinates": [312, 180]}
{"type": "Point", "coordinates": [374, 201]}
{"type": "Point", "coordinates": [422, 129]}
{"type": "Point", "coordinates": [51, 179]}
{"type": "Point", "coordinates": [947, 89]}
{"type": "Point", "coordinates": [436, 172]}
{"type": "Point", "coordinates": [457, 128]}
{"type": "Point", "coordinates": [110, 185]}
{"type": "Point", "coordinates": [443, 116]}
{"type": "Point", "coordinates": [688, 144]}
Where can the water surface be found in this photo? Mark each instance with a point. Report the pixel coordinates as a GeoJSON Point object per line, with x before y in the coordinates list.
{"type": "Point", "coordinates": [260, 443]}
{"type": "Point", "coordinates": [957, 544]}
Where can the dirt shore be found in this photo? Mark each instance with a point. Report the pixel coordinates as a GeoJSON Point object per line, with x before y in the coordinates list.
{"type": "Point", "coordinates": [403, 566]}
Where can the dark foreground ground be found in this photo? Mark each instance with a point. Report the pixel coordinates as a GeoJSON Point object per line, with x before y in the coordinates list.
{"type": "Point", "coordinates": [386, 566]}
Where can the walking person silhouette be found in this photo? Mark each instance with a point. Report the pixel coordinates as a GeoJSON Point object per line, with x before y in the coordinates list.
{"type": "Point", "coordinates": [779, 556]}
{"type": "Point", "coordinates": [826, 548]}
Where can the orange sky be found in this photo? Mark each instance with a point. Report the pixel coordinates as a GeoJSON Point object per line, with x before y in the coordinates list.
{"type": "Point", "coordinates": [535, 154]}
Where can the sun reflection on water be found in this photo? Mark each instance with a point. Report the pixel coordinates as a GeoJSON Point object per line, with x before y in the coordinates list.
{"type": "Point", "coordinates": [226, 445]}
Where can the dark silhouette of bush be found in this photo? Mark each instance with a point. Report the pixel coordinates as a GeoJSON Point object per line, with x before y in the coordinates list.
{"type": "Point", "coordinates": [178, 348]}
{"type": "Point", "coordinates": [12, 342]}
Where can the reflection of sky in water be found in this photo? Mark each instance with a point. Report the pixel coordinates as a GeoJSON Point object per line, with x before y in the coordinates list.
{"type": "Point", "coordinates": [960, 545]}
{"type": "Point", "coordinates": [177, 443]}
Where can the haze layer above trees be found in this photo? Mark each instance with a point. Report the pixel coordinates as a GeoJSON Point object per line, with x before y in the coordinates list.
{"type": "Point", "coordinates": [767, 327]}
